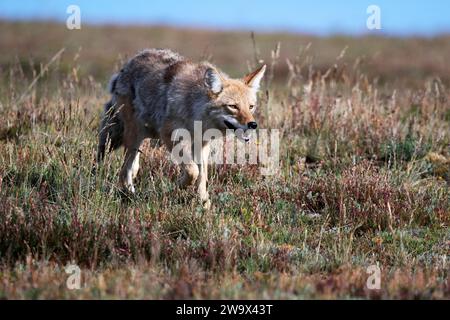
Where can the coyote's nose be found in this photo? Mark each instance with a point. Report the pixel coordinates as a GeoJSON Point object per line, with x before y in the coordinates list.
{"type": "Point", "coordinates": [252, 125]}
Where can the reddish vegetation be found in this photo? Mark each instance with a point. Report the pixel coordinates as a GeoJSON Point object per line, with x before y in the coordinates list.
{"type": "Point", "coordinates": [364, 174]}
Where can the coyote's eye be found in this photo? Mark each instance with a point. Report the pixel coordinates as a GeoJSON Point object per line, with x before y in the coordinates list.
{"type": "Point", "coordinates": [252, 106]}
{"type": "Point", "coordinates": [232, 106]}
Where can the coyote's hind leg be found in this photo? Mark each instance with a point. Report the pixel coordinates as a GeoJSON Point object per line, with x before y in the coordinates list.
{"type": "Point", "coordinates": [203, 177]}
{"type": "Point", "coordinates": [132, 141]}
{"type": "Point", "coordinates": [135, 166]}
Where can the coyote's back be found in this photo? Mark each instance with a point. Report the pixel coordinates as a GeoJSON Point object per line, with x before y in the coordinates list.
{"type": "Point", "coordinates": [142, 78]}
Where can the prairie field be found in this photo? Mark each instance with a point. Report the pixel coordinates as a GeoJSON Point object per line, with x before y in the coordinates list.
{"type": "Point", "coordinates": [363, 179]}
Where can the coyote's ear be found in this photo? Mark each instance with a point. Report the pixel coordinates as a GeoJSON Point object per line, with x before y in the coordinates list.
{"type": "Point", "coordinates": [213, 80]}
{"type": "Point", "coordinates": [253, 79]}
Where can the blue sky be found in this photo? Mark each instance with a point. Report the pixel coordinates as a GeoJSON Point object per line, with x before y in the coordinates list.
{"type": "Point", "coordinates": [323, 17]}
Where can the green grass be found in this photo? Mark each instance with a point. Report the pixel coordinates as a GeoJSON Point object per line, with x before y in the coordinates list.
{"type": "Point", "coordinates": [363, 179]}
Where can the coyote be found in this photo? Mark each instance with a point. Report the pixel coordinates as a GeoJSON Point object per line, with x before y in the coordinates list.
{"type": "Point", "coordinates": [159, 91]}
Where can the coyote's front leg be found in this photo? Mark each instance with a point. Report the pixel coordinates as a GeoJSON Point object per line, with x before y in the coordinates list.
{"type": "Point", "coordinates": [195, 174]}
{"type": "Point", "coordinates": [203, 177]}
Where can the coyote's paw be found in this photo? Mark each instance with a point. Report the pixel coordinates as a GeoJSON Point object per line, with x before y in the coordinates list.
{"type": "Point", "coordinates": [131, 189]}
{"type": "Point", "coordinates": [187, 178]}
{"type": "Point", "coordinates": [126, 193]}
{"type": "Point", "coordinates": [206, 204]}
{"type": "Point", "coordinates": [127, 188]}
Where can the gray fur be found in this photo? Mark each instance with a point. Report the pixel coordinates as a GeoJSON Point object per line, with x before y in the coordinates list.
{"type": "Point", "coordinates": [167, 92]}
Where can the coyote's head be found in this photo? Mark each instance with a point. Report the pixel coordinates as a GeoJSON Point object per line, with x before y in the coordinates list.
{"type": "Point", "coordinates": [233, 101]}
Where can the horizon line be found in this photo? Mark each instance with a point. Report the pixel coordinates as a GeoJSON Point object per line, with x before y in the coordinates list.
{"type": "Point", "coordinates": [238, 29]}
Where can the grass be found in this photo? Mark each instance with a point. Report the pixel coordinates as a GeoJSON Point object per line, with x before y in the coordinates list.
{"type": "Point", "coordinates": [364, 177]}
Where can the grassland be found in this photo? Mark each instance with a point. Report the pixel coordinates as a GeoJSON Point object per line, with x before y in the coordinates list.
{"type": "Point", "coordinates": [364, 172]}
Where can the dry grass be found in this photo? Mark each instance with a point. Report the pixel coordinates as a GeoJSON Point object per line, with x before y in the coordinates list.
{"type": "Point", "coordinates": [364, 174]}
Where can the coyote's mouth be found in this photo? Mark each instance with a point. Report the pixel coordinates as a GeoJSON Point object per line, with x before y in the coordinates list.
{"type": "Point", "coordinates": [240, 133]}
{"type": "Point", "coordinates": [229, 125]}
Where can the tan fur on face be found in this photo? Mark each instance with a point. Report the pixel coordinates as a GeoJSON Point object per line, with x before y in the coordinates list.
{"type": "Point", "coordinates": [236, 92]}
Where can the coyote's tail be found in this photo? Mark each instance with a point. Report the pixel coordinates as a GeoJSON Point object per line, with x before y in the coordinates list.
{"type": "Point", "coordinates": [111, 126]}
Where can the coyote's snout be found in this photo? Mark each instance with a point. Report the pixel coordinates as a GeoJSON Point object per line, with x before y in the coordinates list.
{"type": "Point", "coordinates": [158, 92]}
